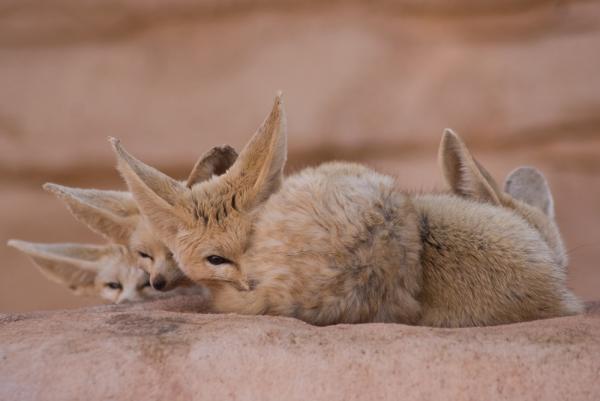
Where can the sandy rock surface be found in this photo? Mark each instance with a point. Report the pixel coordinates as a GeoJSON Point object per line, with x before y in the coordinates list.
{"type": "Point", "coordinates": [156, 351]}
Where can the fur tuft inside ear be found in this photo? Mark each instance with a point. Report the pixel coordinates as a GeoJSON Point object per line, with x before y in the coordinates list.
{"type": "Point", "coordinates": [258, 171]}
{"type": "Point", "coordinates": [529, 185]}
{"type": "Point", "coordinates": [72, 265]}
{"type": "Point", "coordinates": [112, 214]}
{"type": "Point", "coordinates": [465, 176]}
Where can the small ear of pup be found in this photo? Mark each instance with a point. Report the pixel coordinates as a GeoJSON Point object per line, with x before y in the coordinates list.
{"type": "Point", "coordinates": [111, 214]}
{"type": "Point", "coordinates": [214, 162]}
{"type": "Point", "coordinates": [463, 173]}
{"type": "Point", "coordinates": [529, 185]}
{"type": "Point", "coordinates": [72, 265]}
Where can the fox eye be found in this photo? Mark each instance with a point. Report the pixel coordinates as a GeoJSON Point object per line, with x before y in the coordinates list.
{"type": "Point", "coordinates": [114, 285]}
{"type": "Point", "coordinates": [145, 255]}
{"type": "Point", "coordinates": [217, 260]}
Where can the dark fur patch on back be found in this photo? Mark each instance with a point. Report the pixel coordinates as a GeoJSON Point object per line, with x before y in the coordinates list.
{"type": "Point", "coordinates": [233, 204]}
{"type": "Point", "coordinates": [426, 235]}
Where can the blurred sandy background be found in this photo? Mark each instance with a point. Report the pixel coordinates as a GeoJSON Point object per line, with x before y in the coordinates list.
{"type": "Point", "coordinates": [370, 81]}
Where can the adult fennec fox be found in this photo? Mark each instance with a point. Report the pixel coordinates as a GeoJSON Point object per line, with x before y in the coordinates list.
{"type": "Point", "coordinates": [343, 243]}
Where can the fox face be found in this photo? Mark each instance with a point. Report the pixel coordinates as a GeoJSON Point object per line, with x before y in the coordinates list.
{"type": "Point", "coordinates": [152, 256]}
{"type": "Point", "coordinates": [91, 270]}
{"type": "Point", "coordinates": [115, 216]}
{"type": "Point", "coordinates": [212, 240]}
{"type": "Point", "coordinates": [208, 225]}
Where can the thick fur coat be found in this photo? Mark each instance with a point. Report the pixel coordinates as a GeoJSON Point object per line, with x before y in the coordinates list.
{"type": "Point", "coordinates": [342, 243]}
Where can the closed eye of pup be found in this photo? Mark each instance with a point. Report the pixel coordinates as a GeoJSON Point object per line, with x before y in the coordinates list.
{"type": "Point", "coordinates": [145, 255]}
{"type": "Point", "coordinates": [114, 285]}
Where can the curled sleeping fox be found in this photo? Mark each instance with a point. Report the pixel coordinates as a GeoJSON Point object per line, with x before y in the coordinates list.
{"type": "Point", "coordinates": [341, 243]}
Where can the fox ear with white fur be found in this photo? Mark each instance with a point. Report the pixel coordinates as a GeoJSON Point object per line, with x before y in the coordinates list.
{"type": "Point", "coordinates": [111, 214]}
{"type": "Point", "coordinates": [463, 173]}
{"type": "Point", "coordinates": [164, 201]}
{"type": "Point", "coordinates": [529, 185]}
{"type": "Point", "coordinates": [258, 171]}
{"type": "Point", "coordinates": [72, 265]}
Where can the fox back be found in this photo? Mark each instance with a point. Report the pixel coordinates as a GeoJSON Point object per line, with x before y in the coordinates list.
{"type": "Point", "coordinates": [485, 265]}
{"type": "Point", "coordinates": [338, 243]}
{"type": "Point", "coordinates": [526, 191]}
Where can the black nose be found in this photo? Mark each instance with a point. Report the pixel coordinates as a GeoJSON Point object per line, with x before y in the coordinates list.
{"type": "Point", "coordinates": [158, 282]}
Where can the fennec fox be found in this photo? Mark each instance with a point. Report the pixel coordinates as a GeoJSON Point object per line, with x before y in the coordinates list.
{"type": "Point", "coordinates": [342, 243]}
{"type": "Point", "coordinates": [114, 215]}
{"type": "Point", "coordinates": [526, 190]}
{"type": "Point", "coordinates": [91, 270]}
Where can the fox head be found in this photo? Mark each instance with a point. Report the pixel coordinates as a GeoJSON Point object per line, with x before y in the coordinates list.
{"type": "Point", "coordinates": [115, 216]}
{"type": "Point", "coordinates": [526, 190]}
{"type": "Point", "coordinates": [208, 225]}
{"type": "Point", "coordinates": [93, 270]}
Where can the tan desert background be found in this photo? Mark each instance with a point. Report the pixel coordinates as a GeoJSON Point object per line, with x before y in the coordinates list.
{"type": "Point", "coordinates": [375, 82]}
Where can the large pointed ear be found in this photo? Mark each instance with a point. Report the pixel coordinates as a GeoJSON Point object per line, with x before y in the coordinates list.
{"type": "Point", "coordinates": [164, 201]}
{"type": "Point", "coordinates": [112, 214]}
{"type": "Point", "coordinates": [214, 162]}
{"type": "Point", "coordinates": [258, 171]}
{"type": "Point", "coordinates": [529, 185]}
{"type": "Point", "coordinates": [463, 173]}
{"type": "Point", "coordinates": [72, 265]}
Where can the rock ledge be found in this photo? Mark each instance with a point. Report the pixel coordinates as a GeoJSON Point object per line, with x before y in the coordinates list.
{"type": "Point", "coordinates": [160, 350]}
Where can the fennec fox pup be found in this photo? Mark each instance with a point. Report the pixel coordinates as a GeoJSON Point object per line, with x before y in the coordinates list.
{"type": "Point", "coordinates": [92, 270]}
{"type": "Point", "coordinates": [526, 190]}
{"type": "Point", "coordinates": [342, 243]}
{"type": "Point", "coordinates": [114, 215]}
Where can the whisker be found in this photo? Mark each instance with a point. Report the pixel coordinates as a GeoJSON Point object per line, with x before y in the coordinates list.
{"type": "Point", "coordinates": [576, 248]}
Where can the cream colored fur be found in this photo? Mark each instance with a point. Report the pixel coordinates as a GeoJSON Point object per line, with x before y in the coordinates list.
{"type": "Point", "coordinates": [115, 216]}
{"type": "Point", "coordinates": [526, 190]}
{"type": "Point", "coordinates": [342, 243]}
{"type": "Point", "coordinates": [106, 271]}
